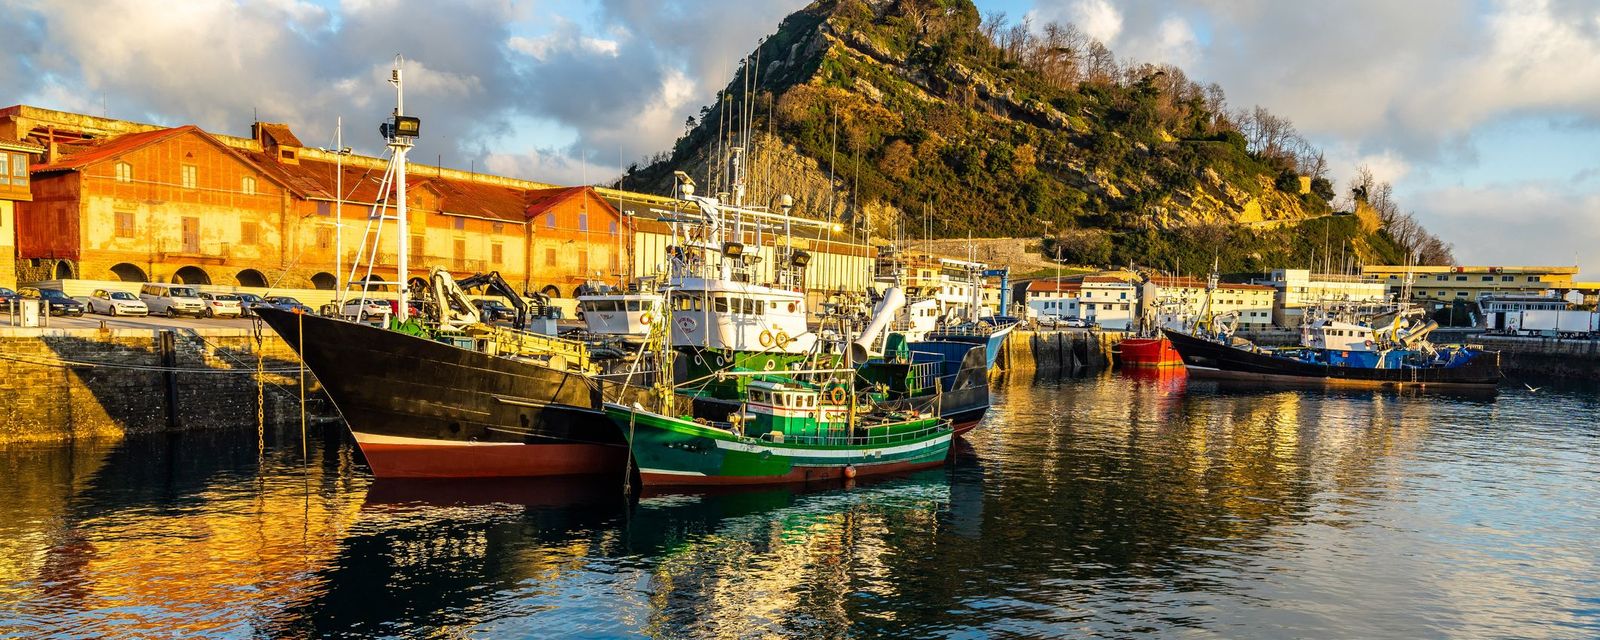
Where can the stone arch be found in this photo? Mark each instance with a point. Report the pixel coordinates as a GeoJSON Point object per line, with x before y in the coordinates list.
{"type": "Point", "coordinates": [129, 272]}
{"type": "Point", "coordinates": [324, 281]}
{"type": "Point", "coordinates": [375, 287]}
{"type": "Point", "coordinates": [251, 278]}
{"type": "Point", "coordinates": [191, 275]}
{"type": "Point", "coordinates": [550, 291]}
{"type": "Point", "coordinates": [63, 270]}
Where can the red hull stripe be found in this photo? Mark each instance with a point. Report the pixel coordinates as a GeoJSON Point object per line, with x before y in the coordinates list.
{"type": "Point", "coordinates": [798, 475]}
{"type": "Point", "coordinates": [500, 461]}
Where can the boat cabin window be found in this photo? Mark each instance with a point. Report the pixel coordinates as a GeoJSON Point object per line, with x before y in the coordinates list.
{"type": "Point", "coordinates": [721, 305]}
{"type": "Point", "coordinates": [633, 305]}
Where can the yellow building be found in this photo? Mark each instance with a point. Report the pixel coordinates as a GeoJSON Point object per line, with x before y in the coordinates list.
{"type": "Point", "coordinates": [15, 157]}
{"type": "Point", "coordinates": [1468, 283]}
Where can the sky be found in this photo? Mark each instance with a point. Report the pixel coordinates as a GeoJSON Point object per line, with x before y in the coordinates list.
{"type": "Point", "coordinates": [1484, 114]}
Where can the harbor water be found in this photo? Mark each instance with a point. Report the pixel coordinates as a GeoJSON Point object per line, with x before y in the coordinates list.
{"type": "Point", "coordinates": [1115, 505]}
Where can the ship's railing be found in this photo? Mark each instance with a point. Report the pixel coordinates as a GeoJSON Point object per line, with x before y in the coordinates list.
{"type": "Point", "coordinates": [862, 441]}
{"type": "Point", "coordinates": [526, 343]}
{"type": "Point", "coordinates": [980, 330]}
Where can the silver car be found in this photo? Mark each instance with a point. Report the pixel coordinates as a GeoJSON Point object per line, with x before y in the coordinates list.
{"type": "Point", "coordinates": [117, 303]}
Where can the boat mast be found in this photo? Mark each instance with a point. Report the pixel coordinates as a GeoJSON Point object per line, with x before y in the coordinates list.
{"type": "Point", "coordinates": [338, 210]}
{"type": "Point", "coordinates": [400, 143]}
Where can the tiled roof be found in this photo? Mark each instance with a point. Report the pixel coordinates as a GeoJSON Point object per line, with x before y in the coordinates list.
{"type": "Point", "coordinates": [14, 144]}
{"type": "Point", "coordinates": [279, 134]}
{"type": "Point", "coordinates": [111, 148]}
{"type": "Point", "coordinates": [1050, 286]}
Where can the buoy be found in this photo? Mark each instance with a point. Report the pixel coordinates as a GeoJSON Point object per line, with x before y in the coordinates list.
{"type": "Point", "coordinates": [850, 472]}
{"type": "Point", "coordinates": [766, 338]}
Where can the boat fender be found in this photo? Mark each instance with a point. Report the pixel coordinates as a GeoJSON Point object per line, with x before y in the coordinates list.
{"type": "Point", "coordinates": [766, 338]}
{"type": "Point", "coordinates": [850, 472]}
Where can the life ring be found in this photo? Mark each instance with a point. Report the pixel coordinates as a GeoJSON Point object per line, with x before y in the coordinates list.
{"type": "Point", "coordinates": [646, 319]}
{"type": "Point", "coordinates": [780, 339]}
{"type": "Point", "coordinates": [770, 365]}
{"type": "Point", "coordinates": [791, 307]}
{"type": "Point", "coordinates": [721, 361]}
{"type": "Point", "coordinates": [1369, 344]}
{"type": "Point", "coordinates": [836, 395]}
{"type": "Point", "coordinates": [766, 338]}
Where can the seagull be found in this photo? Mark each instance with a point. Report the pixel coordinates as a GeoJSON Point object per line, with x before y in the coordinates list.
{"type": "Point", "coordinates": [1531, 388]}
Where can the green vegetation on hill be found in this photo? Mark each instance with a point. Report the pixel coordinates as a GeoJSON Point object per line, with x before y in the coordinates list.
{"type": "Point", "coordinates": [922, 105]}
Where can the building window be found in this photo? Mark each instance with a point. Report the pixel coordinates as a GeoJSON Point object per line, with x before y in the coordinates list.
{"type": "Point", "coordinates": [1488, 278]}
{"type": "Point", "coordinates": [549, 257]}
{"type": "Point", "coordinates": [1461, 294]}
{"type": "Point", "coordinates": [583, 261]}
{"type": "Point", "coordinates": [125, 224]}
{"type": "Point", "coordinates": [124, 172]}
{"type": "Point", "coordinates": [324, 209]}
{"type": "Point", "coordinates": [249, 232]}
{"type": "Point", "coordinates": [324, 237]}
{"type": "Point", "coordinates": [497, 253]}
{"type": "Point", "coordinates": [583, 221]}
{"type": "Point", "coordinates": [19, 170]}
{"type": "Point", "coordinates": [460, 249]}
{"type": "Point", "coordinates": [613, 229]}
{"type": "Point", "coordinates": [461, 224]}
{"type": "Point", "coordinates": [1533, 278]}
{"type": "Point", "coordinates": [248, 186]}
{"type": "Point", "coordinates": [1461, 278]}
{"type": "Point", "coordinates": [5, 168]}
{"type": "Point", "coordinates": [190, 176]}
{"type": "Point", "coordinates": [550, 221]}
{"type": "Point", "coordinates": [417, 246]}
{"type": "Point", "coordinates": [1506, 278]}
{"type": "Point", "coordinates": [499, 227]}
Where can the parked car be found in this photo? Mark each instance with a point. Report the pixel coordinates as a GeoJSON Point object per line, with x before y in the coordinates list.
{"type": "Point", "coordinates": [7, 296]}
{"type": "Point", "coordinates": [59, 303]}
{"type": "Point", "coordinates": [495, 310]}
{"type": "Point", "coordinates": [173, 300]}
{"type": "Point", "coordinates": [362, 310]}
{"type": "Point", "coordinates": [1077, 323]}
{"type": "Point", "coordinates": [222, 305]}
{"type": "Point", "coordinates": [117, 303]}
{"type": "Point", "coordinates": [248, 302]}
{"type": "Point", "coordinates": [287, 303]}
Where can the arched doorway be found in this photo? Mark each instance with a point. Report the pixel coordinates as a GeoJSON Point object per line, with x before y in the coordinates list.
{"type": "Point", "coordinates": [191, 275]}
{"type": "Point", "coordinates": [324, 281]}
{"type": "Point", "coordinates": [63, 270]}
{"type": "Point", "coordinates": [129, 273]}
{"type": "Point", "coordinates": [375, 287]}
{"type": "Point", "coordinates": [550, 291]}
{"type": "Point", "coordinates": [251, 278]}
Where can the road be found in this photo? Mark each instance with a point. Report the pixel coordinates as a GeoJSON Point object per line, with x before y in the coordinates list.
{"type": "Point", "coordinates": [92, 321]}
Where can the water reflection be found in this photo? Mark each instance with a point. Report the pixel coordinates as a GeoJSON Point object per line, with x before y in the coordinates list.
{"type": "Point", "coordinates": [1116, 504]}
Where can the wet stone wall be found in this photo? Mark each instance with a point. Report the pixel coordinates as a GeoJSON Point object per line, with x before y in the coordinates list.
{"type": "Point", "coordinates": [68, 384]}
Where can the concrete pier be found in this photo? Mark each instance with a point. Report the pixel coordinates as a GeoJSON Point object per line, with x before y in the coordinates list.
{"type": "Point", "coordinates": [65, 384]}
{"type": "Point", "coordinates": [1053, 351]}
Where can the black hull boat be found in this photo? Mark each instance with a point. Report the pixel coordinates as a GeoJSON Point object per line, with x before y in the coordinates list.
{"type": "Point", "coordinates": [419, 408]}
{"type": "Point", "coordinates": [1207, 358]}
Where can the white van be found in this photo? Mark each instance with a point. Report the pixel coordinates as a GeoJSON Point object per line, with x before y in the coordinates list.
{"type": "Point", "coordinates": [172, 299]}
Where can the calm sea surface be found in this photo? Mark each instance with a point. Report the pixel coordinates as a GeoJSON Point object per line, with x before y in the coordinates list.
{"type": "Point", "coordinates": [1107, 506]}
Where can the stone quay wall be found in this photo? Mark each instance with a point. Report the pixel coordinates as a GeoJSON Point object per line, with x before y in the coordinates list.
{"type": "Point", "coordinates": [1054, 351]}
{"type": "Point", "coordinates": [66, 384]}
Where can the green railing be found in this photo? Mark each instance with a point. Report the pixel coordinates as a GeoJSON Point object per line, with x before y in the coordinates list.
{"type": "Point", "coordinates": [863, 441]}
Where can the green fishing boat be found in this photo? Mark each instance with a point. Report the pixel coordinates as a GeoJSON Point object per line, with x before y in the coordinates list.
{"type": "Point", "coordinates": [789, 430]}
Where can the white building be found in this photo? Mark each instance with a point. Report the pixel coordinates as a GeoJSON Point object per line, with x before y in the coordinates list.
{"type": "Point", "coordinates": [1111, 303]}
{"type": "Point", "coordinates": [1298, 289]}
{"type": "Point", "coordinates": [1178, 299]}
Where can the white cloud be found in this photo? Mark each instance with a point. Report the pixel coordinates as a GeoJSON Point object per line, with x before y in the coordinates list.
{"type": "Point", "coordinates": [1098, 19]}
{"type": "Point", "coordinates": [1521, 223]}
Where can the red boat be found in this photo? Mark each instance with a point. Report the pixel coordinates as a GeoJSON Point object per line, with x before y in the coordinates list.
{"type": "Point", "coordinates": [1147, 352]}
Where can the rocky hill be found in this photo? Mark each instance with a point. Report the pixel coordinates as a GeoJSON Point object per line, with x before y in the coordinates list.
{"type": "Point", "coordinates": [910, 115]}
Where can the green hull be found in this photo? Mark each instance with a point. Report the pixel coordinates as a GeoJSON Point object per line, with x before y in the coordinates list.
{"type": "Point", "coordinates": [676, 452]}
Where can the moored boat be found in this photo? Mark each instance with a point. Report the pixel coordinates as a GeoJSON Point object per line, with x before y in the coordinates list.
{"type": "Point", "coordinates": [790, 431]}
{"type": "Point", "coordinates": [1141, 351]}
{"type": "Point", "coordinates": [1336, 352]}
